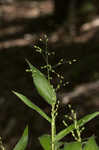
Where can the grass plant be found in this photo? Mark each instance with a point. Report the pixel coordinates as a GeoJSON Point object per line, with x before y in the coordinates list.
{"type": "Point", "coordinates": [48, 92]}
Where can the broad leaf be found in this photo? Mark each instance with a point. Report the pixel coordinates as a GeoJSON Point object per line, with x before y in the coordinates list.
{"type": "Point", "coordinates": [43, 86]}
{"type": "Point", "coordinates": [73, 146]}
{"type": "Point", "coordinates": [32, 105]}
{"type": "Point", "coordinates": [21, 145]}
{"type": "Point", "coordinates": [91, 144]}
{"type": "Point", "coordinates": [81, 122]}
{"type": "Point", "coordinates": [45, 141]}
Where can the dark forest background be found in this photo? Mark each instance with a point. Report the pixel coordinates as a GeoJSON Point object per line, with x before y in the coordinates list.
{"type": "Point", "coordinates": [72, 27]}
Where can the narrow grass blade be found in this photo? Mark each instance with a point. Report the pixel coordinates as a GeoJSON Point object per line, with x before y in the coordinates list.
{"type": "Point", "coordinates": [43, 86]}
{"type": "Point", "coordinates": [73, 146]}
{"type": "Point", "coordinates": [32, 105]}
{"type": "Point", "coordinates": [45, 141]}
{"type": "Point", "coordinates": [21, 145]}
{"type": "Point", "coordinates": [81, 122]}
{"type": "Point", "coordinates": [91, 144]}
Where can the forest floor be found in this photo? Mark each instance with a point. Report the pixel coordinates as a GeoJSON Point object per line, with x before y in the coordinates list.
{"type": "Point", "coordinates": [22, 25]}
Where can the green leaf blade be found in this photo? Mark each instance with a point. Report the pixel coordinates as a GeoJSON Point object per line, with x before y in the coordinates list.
{"type": "Point", "coordinates": [81, 122]}
{"type": "Point", "coordinates": [32, 105]}
{"type": "Point", "coordinates": [44, 88]}
{"type": "Point", "coordinates": [45, 141]}
{"type": "Point", "coordinates": [91, 144]}
{"type": "Point", "coordinates": [21, 145]}
{"type": "Point", "coordinates": [73, 146]}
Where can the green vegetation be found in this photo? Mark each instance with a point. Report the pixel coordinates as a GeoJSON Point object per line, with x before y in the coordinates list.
{"type": "Point", "coordinates": [48, 93]}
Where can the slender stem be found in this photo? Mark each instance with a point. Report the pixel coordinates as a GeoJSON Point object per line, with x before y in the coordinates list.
{"type": "Point", "coordinates": [47, 63]}
{"type": "Point", "coordinates": [53, 128]}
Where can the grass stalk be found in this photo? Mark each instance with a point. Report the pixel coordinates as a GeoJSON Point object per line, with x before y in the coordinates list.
{"type": "Point", "coordinates": [53, 128]}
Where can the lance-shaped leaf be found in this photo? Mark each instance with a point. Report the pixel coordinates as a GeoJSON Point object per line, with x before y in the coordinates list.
{"type": "Point", "coordinates": [91, 144]}
{"type": "Point", "coordinates": [73, 146]}
{"type": "Point", "coordinates": [32, 105]}
{"type": "Point", "coordinates": [45, 141]}
{"type": "Point", "coordinates": [81, 122]}
{"type": "Point", "coordinates": [21, 145]}
{"type": "Point", "coordinates": [43, 86]}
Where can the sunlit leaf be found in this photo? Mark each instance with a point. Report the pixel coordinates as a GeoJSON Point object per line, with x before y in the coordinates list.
{"type": "Point", "coordinates": [45, 141]}
{"type": "Point", "coordinates": [91, 144]}
{"type": "Point", "coordinates": [21, 145]}
{"type": "Point", "coordinates": [32, 105]}
{"type": "Point", "coordinates": [73, 146]}
{"type": "Point", "coordinates": [81, 122]}
{"type": "Point", "coordinates": [44, 88]}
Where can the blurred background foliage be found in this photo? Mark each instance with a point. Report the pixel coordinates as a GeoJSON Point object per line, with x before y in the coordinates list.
{"type": "Point", "coordinates": [72, 27]}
